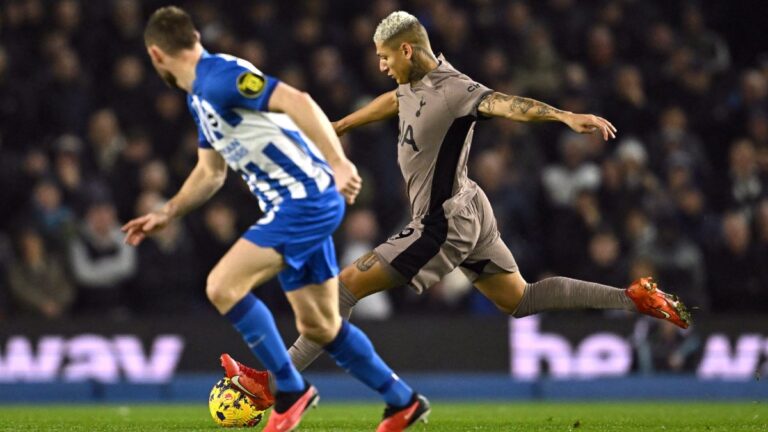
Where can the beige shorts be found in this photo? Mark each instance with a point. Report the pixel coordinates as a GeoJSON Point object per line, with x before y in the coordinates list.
{"type": "Point", "coordinates": [428, 249]}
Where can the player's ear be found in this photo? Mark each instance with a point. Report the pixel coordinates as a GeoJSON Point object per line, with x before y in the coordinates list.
{"type": "Point", "coordinates": [197, 35]}
{"type": "Point", "coordinates": [155, 53]}
{"type": "Point", "coordinates": [407, 50]}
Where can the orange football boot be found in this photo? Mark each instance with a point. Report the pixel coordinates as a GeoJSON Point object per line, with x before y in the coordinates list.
{"type": "Point", "coordinates": [650, 300]}
{"type": "Point", "coordinates": [253, 383]}
{"type": "Point", "coordinates": [290, 419]}
{"type": "Point", "coordinates": [399, 419]}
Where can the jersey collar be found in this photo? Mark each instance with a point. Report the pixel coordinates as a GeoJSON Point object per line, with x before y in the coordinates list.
{"type": "Point", "coordinates": [426, 80]}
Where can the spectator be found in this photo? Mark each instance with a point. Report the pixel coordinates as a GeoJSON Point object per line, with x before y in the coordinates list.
{"type": "Point", "coordinates": [68, 96]}
{"type": "Point", "coordinates": [169, 276]}
{"type": "Point", "coordinates": [751, 96]}
{"type": "Point", "coordinates": [125, 176]}
{"type": "Point", "coordinates": [660, 42]}
{"type": "Point", "coordinates": [55, 220]}
{"type": "Point", "coordinates": [539, 70]}
{"type": "Point", "coordinates": [20, 172]}
{"type": "Point", "coordinates": [15, 109]}
{"type": "Point", "coordinates": [697, 221]}
{"type": "Point", "coordinates": [38, 284]}
{"type": "Point", "coordinates": [577, 224]}
{"type": "Point", "coordinates": [168, 126]}
{"type": "Point", "coordinates": [218, 233]}
{"type": "Point", "coordinates": [154, 177]}
{"type": "Point", "coordinates": [746, 185]}
{"type": "Point", "coordinates": [678, 261]}
{"type": "Point", "coordinates": [130, 96]}
{"type": "Point", "coordinates": [639, 231]}
{"type": "Point", "coordinates": [68, 170]}
{"type": "Point", "coordinates": [709, 48]}
{"type": "Point", "coordinates": [106, 139]}
{"type": "Point", "coordinates": [601, 55]}
{"type": "Point", "coordinates": [101, 263]}
{"type": "Point", "coordinates": [604, 263]}
{"type": "Point", "coordinates": [567, 19]}
{"type": "Point", "coordinates": [675, 140]}
{"type": "Point", "coordinates": [640, 186]}
{"type": "Point", "coordinates": [68, 19]}
{"type": "Point", "coordinates": [127, 27]}
{"type": "Point", "coordinates": [734, 283]}
{"type": "Point", "coordinates": [496, 67]}
{"type": "Point", "coordinates": [573, 173]}
{"type": "Point", "coordinates": [612, 197]}
{"type": "Point", "coordinates": [628, 105]}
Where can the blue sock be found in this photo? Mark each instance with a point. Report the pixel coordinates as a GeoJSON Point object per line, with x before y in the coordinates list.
{"type": "Point", "coordinates": [255, 323]}
{"type": "Point", "coordinates": [354, 352]}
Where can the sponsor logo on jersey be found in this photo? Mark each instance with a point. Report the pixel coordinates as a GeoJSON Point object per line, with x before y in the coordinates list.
{"type": "Point", "coordinates": [249, 84]}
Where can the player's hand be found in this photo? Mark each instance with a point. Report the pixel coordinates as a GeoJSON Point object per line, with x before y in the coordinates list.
{"type": "Point", "coordinates": [348, 181]}
{"type": "Point", "coordinates": [588, 123]}
{"type": "Point", "coordinates": [138, 229]}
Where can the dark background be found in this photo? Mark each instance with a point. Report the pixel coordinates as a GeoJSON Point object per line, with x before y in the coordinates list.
{"type": "Point", "coordinates": [90, 137]}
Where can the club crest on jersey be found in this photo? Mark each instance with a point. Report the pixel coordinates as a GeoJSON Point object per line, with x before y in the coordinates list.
{"type": "Point", "coordinates": [249, 84]}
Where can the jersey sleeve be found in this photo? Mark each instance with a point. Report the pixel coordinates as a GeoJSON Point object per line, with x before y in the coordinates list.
{"type": "Point", "coordinates": [238, 86]}
{"type": "Point", "coordinates": [464, 95]}
{"type": "Point", "coordinates": [202, 141]}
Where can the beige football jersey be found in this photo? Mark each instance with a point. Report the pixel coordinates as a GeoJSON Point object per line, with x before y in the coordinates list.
{"type": "Point", "coordinates": [437, 117]}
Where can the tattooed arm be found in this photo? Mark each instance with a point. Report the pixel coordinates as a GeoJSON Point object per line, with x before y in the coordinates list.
{"type": "Point", "coordinates": [524, 109]}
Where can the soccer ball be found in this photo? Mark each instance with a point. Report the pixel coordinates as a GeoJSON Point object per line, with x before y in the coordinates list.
{"type": "Point", "coordinates": [231, 408]}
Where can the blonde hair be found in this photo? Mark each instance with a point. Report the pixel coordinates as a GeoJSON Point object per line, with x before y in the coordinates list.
{"type": "Point", "coordinates": [395, 24]}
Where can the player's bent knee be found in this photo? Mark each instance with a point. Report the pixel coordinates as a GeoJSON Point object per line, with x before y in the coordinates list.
{"type": "Point", "coordinates": [220, 294]}
{"type": "Point", "coordinates": [320, 332]}
{"type": "Point", "coordinates": [509, 302]}
{"type": "Point", "coordinates": [507, 308]}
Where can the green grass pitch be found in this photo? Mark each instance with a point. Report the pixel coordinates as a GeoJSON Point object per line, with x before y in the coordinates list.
{"type": "Point", "coordinates": [512, 416]}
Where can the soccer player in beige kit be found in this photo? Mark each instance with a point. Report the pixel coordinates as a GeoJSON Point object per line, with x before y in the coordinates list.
{"type": "Point", "coordinates": [453, 224]}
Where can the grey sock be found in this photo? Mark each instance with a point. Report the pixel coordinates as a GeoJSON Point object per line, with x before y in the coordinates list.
{"type": "Point", "coordinates": [303, 352]}
{"type": "Point", "coordinates": [559, 293]}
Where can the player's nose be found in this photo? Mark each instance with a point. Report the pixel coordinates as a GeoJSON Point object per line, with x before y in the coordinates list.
{"type": "Point", "coordinates": [383, 66]}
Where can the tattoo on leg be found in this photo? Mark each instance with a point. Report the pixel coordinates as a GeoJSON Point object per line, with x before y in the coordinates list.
{"type": "Point", "coordinates": [365, 262]}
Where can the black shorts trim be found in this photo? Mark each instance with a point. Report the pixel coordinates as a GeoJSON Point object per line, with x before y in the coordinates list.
{"type": "Point", "coordinates": [417, 255]}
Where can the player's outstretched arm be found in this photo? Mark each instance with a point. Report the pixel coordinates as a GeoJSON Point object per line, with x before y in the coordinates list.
{"type": "Point", "coordinates": [383, 107]}
{"type": "Point", "coordinates": [205, 180]}
{"type": "Point", "coordinates": [525, 109]}
{"type": "Point", "coordinates": [308, 116]}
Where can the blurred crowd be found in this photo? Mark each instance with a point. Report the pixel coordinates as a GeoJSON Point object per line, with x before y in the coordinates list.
{"type": "Point", "coordinates": [90, 137]}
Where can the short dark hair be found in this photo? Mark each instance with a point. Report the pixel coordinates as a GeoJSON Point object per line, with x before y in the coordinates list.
{"type": "Point", "coordinates": [171, 29]}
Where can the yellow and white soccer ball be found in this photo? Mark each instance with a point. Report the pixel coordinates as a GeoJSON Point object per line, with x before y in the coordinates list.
{"type": "Point", "coordinates": [231, 408]}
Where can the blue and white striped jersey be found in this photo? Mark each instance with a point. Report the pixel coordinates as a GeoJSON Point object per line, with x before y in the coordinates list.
{"type": "Point", "coordinates": [229, 102]}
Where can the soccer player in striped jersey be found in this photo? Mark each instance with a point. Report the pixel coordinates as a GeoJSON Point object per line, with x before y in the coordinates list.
{"type": "Point", "coordinates": [285, 148]}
